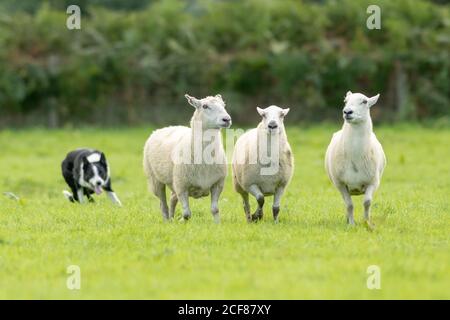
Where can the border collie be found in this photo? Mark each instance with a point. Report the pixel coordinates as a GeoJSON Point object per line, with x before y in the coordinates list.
{"type": "Point", "coordinates": [86, 171]}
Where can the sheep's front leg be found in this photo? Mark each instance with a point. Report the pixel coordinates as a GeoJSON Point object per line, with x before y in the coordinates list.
{"type": "Point", "coordinates": [256, 192]}
{"type": "Point", "coordinates": [160, 191]}
{"type": "Point", "coordinates": [368, 194]}
{"type": "Point", "coordinates": [183, 197]}
{"type": "Point", "coordinates": [173, 204]}
{"type": "Point", "coordinates": [246, 206]}
{"type": "Point", "coordinates": [348, 202]}
{"type": "Point", "coordinates": [276, 203]}
{"type": "Point", "coordinates": [216, 190]}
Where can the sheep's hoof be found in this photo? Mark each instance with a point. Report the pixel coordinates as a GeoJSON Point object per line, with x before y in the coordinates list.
{"type": "Point", "coordinates": [217, 219]}
{"type": "Point", "coordinates": [167, 220]}
{"type": "Point", "coordinates": [256, 217]}
{"type": "Point", "coordinates": [369, 225]}
{"type": "Point", "coordinates": [276, 212]}
{"type": "Point", "coordinates": [185, 217]}
{"type": "Point", "coordinates": [351, 222]}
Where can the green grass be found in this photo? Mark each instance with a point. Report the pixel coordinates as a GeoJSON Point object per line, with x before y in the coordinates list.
{"type": "Point", "coordinates": [130, 253]}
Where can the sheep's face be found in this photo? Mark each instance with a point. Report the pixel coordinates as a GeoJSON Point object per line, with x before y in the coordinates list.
{"type": "Point", "coordinates": [357, 107]}
{"type": "Point", "coordinates": [272, 118]}
{"type": "Point", "coordinates": [210, 111]}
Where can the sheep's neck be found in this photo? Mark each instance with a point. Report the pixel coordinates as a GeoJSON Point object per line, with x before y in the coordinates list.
{"type": "Point", "coordinates": [208, 138]}
{"type": "Point", "coordinates": [357, 137]}
{"type": "Point", "coordinates": [267, 136]}
{"type": "Point", "coordinates": [195, 120]}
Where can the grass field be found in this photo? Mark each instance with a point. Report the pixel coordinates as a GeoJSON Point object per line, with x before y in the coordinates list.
{"type": "Point", "coordinates": [130, 253]}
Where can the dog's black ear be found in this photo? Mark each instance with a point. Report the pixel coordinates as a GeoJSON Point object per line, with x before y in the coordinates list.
{"type": "Point", "coordinates": [85, 162]}
{"type": "Point", "coordinates": [102, 158]}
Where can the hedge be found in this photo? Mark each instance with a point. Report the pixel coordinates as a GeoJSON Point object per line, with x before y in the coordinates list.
{"type": "Point", "coordinates": [134, 66]}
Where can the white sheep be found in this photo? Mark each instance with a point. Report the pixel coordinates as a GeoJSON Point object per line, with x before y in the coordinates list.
{"type": "Point", "coordinates": [176, 157]}
{"type": "Point", "coordinates": [355, 159]}
{"type": "Point", "coordinates": [263, 163]}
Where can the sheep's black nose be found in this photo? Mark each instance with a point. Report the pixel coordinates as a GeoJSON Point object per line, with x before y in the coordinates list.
{"type": "Point", "coordinates": [226, 119]}
{"type": "Point", "coordinates": [347, 112]}
{"type": "Point", "coordinates": [272, 125]}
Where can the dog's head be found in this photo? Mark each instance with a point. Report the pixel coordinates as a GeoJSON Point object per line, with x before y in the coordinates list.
{"type": "Point", "coordinates": [94, 173]}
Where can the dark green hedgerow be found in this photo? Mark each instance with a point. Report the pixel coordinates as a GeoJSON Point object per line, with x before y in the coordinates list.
{"type": "Point", "coordinates": [135, 65]}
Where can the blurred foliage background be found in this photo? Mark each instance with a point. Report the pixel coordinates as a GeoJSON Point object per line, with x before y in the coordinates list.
{"type": "Point", "coordinates": [132, 61]}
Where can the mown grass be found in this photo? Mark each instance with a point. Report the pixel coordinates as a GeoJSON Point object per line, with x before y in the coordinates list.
{"type": "Point", "coordinates": [130, 253]}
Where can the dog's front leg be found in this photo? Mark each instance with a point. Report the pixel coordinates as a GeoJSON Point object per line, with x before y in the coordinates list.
{"type": "Point", "coordinates": [80, 195]}
{"type": "Point", "coordinates": [112, 195]}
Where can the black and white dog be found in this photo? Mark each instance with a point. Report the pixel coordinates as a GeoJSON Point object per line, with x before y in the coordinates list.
{"type": "Point", "coordinates": [86, 171]}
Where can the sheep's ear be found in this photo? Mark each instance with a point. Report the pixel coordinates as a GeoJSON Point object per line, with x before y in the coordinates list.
{"type": "Point", "coordinates": [193, 101]}
{"type": "Point", "coordinates": [371, 101]}
{"type": "Point", "coordinates": [347, 95]}
{"type": "Point", "coordinates": [284, 112]}
{"type": "Point", "coordinates": [261, 112]}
